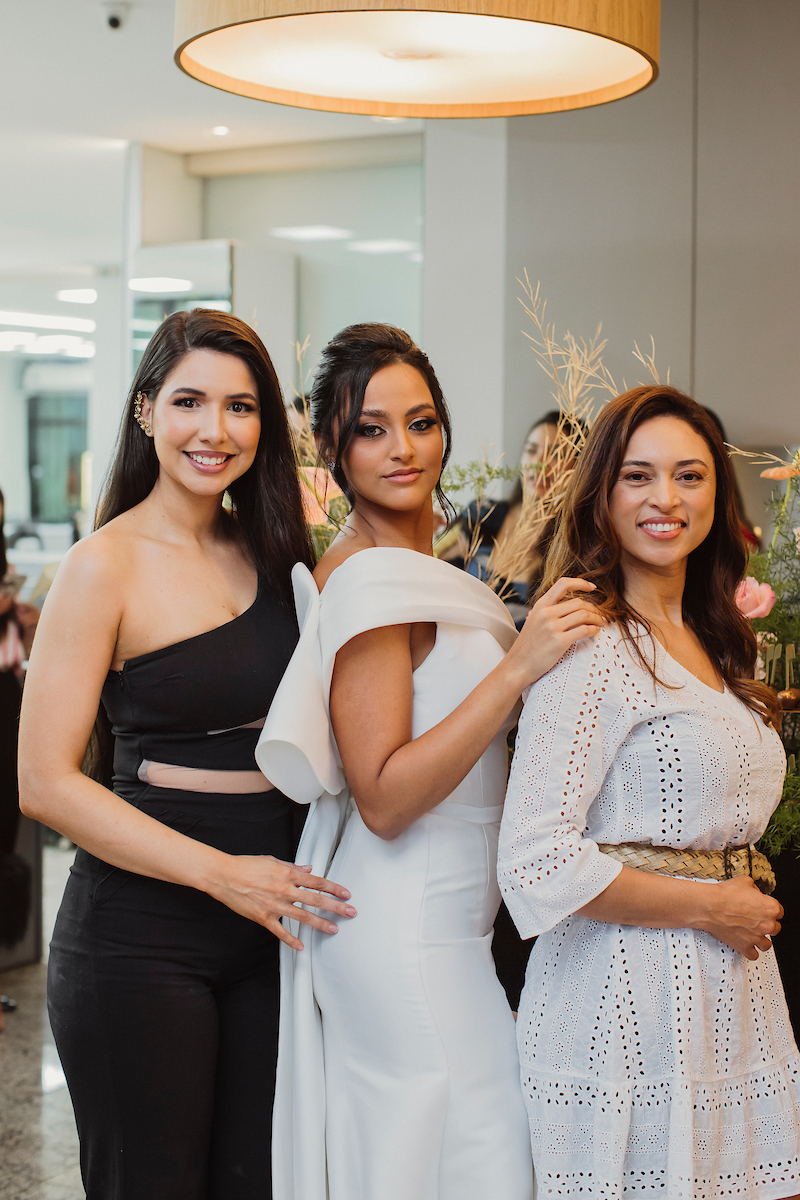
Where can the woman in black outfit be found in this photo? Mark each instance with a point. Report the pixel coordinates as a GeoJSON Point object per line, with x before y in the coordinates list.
{"type": "Point", "coordinates": [163, 977]}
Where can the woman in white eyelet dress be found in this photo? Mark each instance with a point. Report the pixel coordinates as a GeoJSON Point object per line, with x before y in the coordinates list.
{"type": "Point", "coordinates": [656, 1061]}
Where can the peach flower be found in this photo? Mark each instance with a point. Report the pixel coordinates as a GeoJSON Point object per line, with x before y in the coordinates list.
{"type": "Point", "coordinates": [754, 599]}
{"type": "Point", "coordinates": [780, 472]}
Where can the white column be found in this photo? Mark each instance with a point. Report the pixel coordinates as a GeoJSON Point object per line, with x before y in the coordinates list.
{"type": "Point", "coordinates": [464, 290]}
{"type": "Point", "coordinates": [111, 374]}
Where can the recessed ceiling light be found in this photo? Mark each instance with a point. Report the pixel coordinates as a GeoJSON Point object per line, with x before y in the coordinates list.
{"type": "Point", "coordinates": [25, 341]}
{"type": "Point", "coordinates": [311, 233]}
{"type": "Point", "coordinates": [220, 130]}
{"type": "Point", "coordinates": [383, 246]}
{"type": "Point", "coordinates": [160, 283]}
{"type": "Point", "coordinates": [39, 321]}
{"type": "Point", "coordinates": [77, 295]}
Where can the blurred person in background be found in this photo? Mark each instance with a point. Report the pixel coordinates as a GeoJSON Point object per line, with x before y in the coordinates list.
{"type": "Point", "coordinates": [17, 625]}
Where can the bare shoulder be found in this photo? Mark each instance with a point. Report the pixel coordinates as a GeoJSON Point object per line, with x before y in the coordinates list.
{"type": "Point", "coordinates": [345, 546]}
{"type": "Point", "coordinates": [99, 566]}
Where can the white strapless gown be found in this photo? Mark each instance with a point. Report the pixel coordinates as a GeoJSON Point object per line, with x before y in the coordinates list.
{"type": "Point", "coordinates": [398, 1076]}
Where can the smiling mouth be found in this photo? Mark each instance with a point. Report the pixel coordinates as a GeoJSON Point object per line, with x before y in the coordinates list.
{"type": "Point", "coordinates": [208, 460]}
{"type": "Point", "coordinates": [662, 526]}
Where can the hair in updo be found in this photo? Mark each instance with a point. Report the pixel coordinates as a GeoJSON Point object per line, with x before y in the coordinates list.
{"type": "Point", "coordinates": [348, 363]}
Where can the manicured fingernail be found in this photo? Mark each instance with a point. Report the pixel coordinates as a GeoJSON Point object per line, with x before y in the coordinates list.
{"type": "Point", "coordinates": [351, 912]}
{"type": "Point", "coordinates": [333, 929]}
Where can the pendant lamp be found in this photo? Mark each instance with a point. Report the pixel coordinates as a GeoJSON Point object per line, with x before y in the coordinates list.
{"type": "Point", "coordinates": [422, 58]}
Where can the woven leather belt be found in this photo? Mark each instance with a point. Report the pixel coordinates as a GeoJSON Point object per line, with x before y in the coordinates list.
{"type": "Point", "coordinates": [697, 864]}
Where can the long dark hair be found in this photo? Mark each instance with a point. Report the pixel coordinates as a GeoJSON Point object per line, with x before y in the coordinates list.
{"type": "Point", "coordinates": [586, 543]}
{"type": "Point", "coordinates": [266, 499]}
{"type": "Point", "coordinates": [348, 363]}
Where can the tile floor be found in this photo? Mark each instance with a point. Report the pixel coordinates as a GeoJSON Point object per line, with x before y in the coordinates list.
{"type": "Point", "coordinates": [38, 1142]}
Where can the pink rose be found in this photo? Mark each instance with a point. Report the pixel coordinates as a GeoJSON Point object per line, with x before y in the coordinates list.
{"type": "Point", "coordinates": [754, 599]}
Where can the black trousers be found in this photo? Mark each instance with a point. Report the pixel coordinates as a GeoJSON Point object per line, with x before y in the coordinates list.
{"type": "Point", "coordinates": [164, 1007]}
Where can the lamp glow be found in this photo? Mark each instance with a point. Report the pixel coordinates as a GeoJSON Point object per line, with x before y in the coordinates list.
{"type": "Point", "coordinates": [454, 58]}
{"type": "Point", "coordinates": [157, 284]}
{"type": "Point", "coordinates": [311, 233]}
{"type": "Point", "coordinates": [77, 295]}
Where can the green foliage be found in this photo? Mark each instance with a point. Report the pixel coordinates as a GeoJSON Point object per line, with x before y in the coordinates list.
{"type": "Point", "coordinates": [476, 477]}
{"type": "Point", "coordinates": [783, 831]}
{"type": "Point", "coordinates": [323, 535]}
{"type": "Point", "coordinates": [780, 568]}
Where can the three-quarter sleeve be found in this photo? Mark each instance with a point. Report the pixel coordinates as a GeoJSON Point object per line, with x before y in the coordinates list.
{"type": "Point", "coordinates": [574, 721]}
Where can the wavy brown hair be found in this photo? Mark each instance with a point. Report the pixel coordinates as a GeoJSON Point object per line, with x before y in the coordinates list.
{"type": "Point", "coordinates": [586, 544]}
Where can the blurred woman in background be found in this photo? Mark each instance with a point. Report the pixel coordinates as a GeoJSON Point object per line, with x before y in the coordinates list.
{"type": "Point", "coordinates": [17, 625]}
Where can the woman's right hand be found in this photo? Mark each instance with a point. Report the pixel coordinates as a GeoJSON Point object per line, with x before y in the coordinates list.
{"type": "Point", "coordinates": [264, 889]}
{"type": "Point", "coordinates": [741, 916]}
{"type": "Point", "coordinates": [553, 625]}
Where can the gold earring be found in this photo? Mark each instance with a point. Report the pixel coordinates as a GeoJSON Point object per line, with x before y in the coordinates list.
{"type": "Point", "coordinates": [137, 413]}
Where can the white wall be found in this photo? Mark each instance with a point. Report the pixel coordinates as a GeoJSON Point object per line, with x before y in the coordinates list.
{"type": "Point", "coordinates": [465, 286]}
{"type": "Point", "coordinates": [672, 213]}
{"type": "Point", "coordinates": [748, 228]}
{"type": "Point", "coordinates": [336, 287]}
{"type": "Point", "coordinates": [172, 200]}
{"type": "Point", "coordinates": [600, 210]}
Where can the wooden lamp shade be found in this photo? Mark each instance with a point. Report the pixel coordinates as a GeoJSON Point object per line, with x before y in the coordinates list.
{"type": "Point", "coordinates": [422, 58]}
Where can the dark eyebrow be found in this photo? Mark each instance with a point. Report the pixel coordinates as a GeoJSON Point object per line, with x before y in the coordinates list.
{"type": "Point", "coordinates": [685, 462]}
{"type": "Point", "coordinates": [198, 392]}
{"type": "Point", "coordinates": [426, 406]}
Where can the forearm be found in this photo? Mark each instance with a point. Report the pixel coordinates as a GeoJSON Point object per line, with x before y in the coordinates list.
{"type": "Point", "coordinates": [118, 833]}
{"type": "Point", "coordinates": [423, 772]}
{"type": "Point", "coordinates": [651, 901]}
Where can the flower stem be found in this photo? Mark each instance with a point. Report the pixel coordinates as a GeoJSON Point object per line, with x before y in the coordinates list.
{"type": "Point", "coordinates": [779, 523]}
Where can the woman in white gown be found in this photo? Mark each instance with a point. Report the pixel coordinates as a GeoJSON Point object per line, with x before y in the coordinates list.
{"type": "Point", "coordinates": [657, 1055]}
{"type": "Point", "coordinates": [398, 1076]}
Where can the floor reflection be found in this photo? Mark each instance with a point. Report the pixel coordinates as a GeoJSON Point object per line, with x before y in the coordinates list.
{"type": "Point", "coordinates": [38, 1141]}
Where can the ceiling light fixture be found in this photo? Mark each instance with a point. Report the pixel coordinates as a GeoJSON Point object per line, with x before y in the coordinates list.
{"type": "Point", "coordinates": [457, 58]}
{"type": "Point", "coordinates": [383, 246]}
{"type": "Point", "coordinates": [77, 295]}
{"type": "Point", "coordinates": [40, 321]}
{"type": "Point", "coordinates": [220, 131]}
{"type": "Point", "coordinates": [160, 283]}
{"type": "Point", "coordinates": [311, 233]}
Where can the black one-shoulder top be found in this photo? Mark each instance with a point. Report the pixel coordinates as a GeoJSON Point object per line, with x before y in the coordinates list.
{"type": "Point", "coordinates": [200, 702]}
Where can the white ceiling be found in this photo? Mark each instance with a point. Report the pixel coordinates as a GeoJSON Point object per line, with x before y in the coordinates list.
{"type": "Point", "coordinates": [74, 93]}
{"type": "Point", "coordinates": [63, 71]}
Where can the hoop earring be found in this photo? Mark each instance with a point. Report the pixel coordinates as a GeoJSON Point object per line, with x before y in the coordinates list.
{"type": "Point", "coordinates": [137, 414]}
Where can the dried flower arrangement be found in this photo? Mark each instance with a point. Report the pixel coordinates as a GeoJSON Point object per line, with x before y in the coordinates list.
{"type": "Point", "coordinates": [580, 383]}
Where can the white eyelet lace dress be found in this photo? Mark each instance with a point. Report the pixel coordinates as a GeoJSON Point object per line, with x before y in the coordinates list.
{"type": "Point", "coordinates": [398, 1076]}
{"type": "Point", "coordinates": [655, 1063]}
